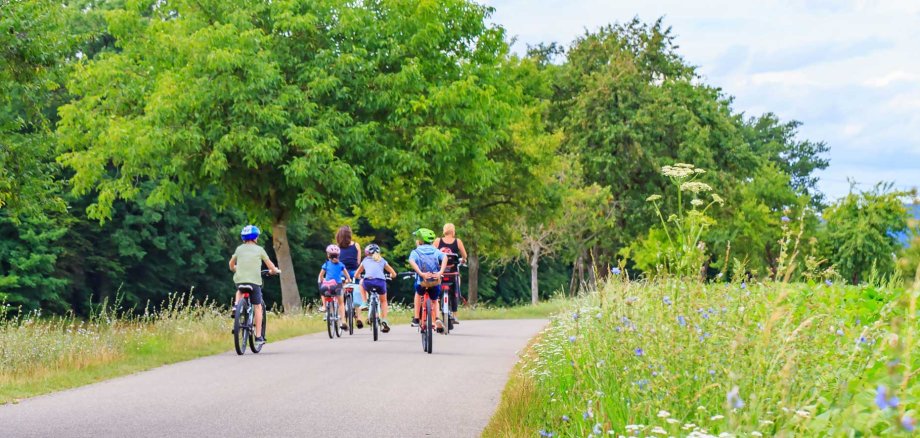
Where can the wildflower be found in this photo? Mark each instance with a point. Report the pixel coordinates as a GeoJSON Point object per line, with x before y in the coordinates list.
{"type": "Point", "coordinates": [659, 431]}
{"type": "Point", "coordinates": [696, 203]}
{"type": "Point", "coordinates": [667, 300]}
{"type": "Point", "coordinates": [653, 198]}
{"type": "Point", "coordinates": [575, 316]}
{"type": "Point", "coordinates": [597, 429]}
{"type": "Point", "coordinates": [909, 424]}
{"type": "Point", "coordinates": [681, 320]}
{"type": "Point", "coordinates": [572, 339]}
{"type": "Point", "coordinates": [716, 417]}
{"type": "Point", "coordinates": [615, 270]}
{"type": "Point", "coordinates": [688, 426]}
{"type": "Point", "coordinates": [756, 433]}
{"type": "Point", "coordinates": [546, 433]}
{"type": "Point", "coordinates": [598, 316]}
{"type": "Point", "coordinates": [695, 187]}
{"type": "Point", "coordinates": [828, 282]}
{"type": "Point", "coordinates": [566, 418]}
{"type": "Point", "coordinates": [743, 285]}
{"type": "Point", "coordinates": [803, 413]}
{"type": "Point", "coordinates": [734, 400]}
{"type": "Point", "coordinates": [883, 400]}
{"type": "Point", "coordinates": [639, 352]}
{"type": "Point", "coordinates": [839, 332]}
{"type": "Point", "coordinates": [663, 414]}
{"type": "Point", "coordinates": [712, 372]}
{"type": "Point", "coordinates": [632, 427]}
{"type": "Point", "coordinates": [676, 171]}
{"type": "Point", "coordinates": [765, 422]}
{"type": "Point", "coordinates": [862, 340]}
{"type": "Point", "coordinates": [672, 421]}
{"type": "Point", "coordinates": [785, 219]}
{"type": "Point", "coordinates": [718, 199]}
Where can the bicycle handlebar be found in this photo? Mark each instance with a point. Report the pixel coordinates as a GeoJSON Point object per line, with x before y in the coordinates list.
{"type": "Point", "coordinates": [267, 273]}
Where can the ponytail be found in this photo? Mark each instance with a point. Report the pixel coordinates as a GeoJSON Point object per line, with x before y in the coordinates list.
{"type": "Point", "coordinates": [376, 256]}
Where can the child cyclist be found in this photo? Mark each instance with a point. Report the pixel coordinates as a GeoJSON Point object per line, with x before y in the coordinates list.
{"type": "Point", "coordinates": [429, 265]}
{"type": "Point", "coordinates": [332, 272]}
{"type": "Point", "coordinates": [373, 267]}
{"type": "Point", "coordinates": [246, 264]}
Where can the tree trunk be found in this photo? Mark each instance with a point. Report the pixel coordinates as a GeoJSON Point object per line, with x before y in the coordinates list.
{"type": "Point", "coordinates": [473, 263]}
{"type": "Point", "coordinates": [534, 278]}
{"type": "Point", "coordinates": [290, 296]}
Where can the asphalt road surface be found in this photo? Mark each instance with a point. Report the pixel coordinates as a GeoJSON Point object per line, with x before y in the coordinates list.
{"type": "Point", "coordinates": [309, 386]}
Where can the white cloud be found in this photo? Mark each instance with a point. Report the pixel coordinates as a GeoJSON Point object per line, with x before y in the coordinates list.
{"type": "Point", "coordinates": [892, 77]}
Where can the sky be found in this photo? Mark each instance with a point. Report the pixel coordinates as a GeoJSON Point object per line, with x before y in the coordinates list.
{"type": "Point", "coordinates": [849, 70]}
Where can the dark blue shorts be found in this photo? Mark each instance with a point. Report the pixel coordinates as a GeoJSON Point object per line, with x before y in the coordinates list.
{"type": "Point", "coordinates": [378, 285]}
{"type": "Point", "coordinates": [434, 292]}
{"type": "Point", "coordinates": [255, 296]}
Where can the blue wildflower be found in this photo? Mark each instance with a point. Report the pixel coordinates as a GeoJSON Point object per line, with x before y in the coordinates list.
{"type": "Point", "coordinates": [883, 400]}
{"type": "Point", "coordinates": [575, 316]}
{"type": "Point", "coordinates": [705, 316]}
{"type": "Point", "coordinates": [712, 372]}
{"type": "Point", "coordinates": [681, 320]}
{"type": "Point", "coordinates": [615, 270]}
{"type": "Point", "coordinates": [908, 423]}
{"type": "Point", "coordinates": [858, 321]}
{"type": "Point", "coordinates": [743, 285]}
{"type": "Point", "coordinates": [667, 300]}
{"type": "Point", "coordinates": [839, 332]}
{"type": "Point", "coordinates": [572, 339]}
{"type": "Point", "coordinates": [597, 429]}
{"type": "Point", "coordinates": [785, 219]}
{"type": "Point", "coordinates": [566, 418]}
{"type": "Point", "coordinates": [829, 282]}
{"type": "Point", "coordinates": [734, 399]}
{"type": "Point", "coordinates": [639, 352]}
{"type": "Point", "coordinates": [862, 340]}
{"type": "Point", "coordinates": [546, 433]}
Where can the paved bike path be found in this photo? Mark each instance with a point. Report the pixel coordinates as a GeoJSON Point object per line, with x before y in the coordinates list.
{"type": "Point", "coordinates": [306, 386]}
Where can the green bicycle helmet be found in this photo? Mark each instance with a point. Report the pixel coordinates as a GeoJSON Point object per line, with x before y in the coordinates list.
{"type": "Point", "coordinates": [425, 235]}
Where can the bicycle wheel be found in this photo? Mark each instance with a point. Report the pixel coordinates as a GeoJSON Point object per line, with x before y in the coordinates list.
{"type": "Point", "coordinates": [338, 330]}
{"type": "Point", "coordinates": [252, 341]}
{"type": "Point", "coordinates": [445, 315]}
{"type": "Point", "coordinates": [240, 330]}
{"type": "Point", "coordinates": [429, 337]}
{"type": "Point", "coordinates": [330, 320]}
{"type": "Point", "coordinates": [373, 317]}
{"type": "Point", "coordinates": [350, 313]}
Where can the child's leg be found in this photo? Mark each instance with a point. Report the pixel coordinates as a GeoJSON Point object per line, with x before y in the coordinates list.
{"type": "Point", "coordinates": [341, 308]}
{"type": "Point", "coordinates": [237, 299]}
{"type": "Point", "coordinates": [417, 302]}
{"type": "Point", "coordinates": [257, 308]}
{"type": "Point", "coordinates": [383, 306]}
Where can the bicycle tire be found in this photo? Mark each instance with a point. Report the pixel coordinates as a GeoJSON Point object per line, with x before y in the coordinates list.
{"type": "Point", "coordinates": [330, 321]}
{"type": "Point", "coordinates": [423, 330]}
{"type": "Point", "coordinates": [338, 330]}
{"type": "Point", "coordinates": [239, 333]}
{"type": "Point", "coordinates": [429, 325]}
{"type": "Point", "coordinates": [252, 340]}
{"type": "Point", "coordinates": [350, 313]}
{"type": "Point", "coordinates": [374, 319]}
{"type": "Point", "coordinates": [445, 315]}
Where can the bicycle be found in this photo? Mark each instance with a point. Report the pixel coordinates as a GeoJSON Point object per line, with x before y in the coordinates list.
{"type": "Point", "coordinates": [373, 308]}
{"type": "Point", "coordinates": [426, 325]}
{"type": "Point", "coordinates": [349, 298]}
{"type": "Point", "coordinates": [450, 290]}
{"type": "Point", "coordinates": [331, 304]}
{"type": "Point", "coordinates": [244, 315]}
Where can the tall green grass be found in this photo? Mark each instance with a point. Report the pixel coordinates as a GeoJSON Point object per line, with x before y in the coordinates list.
{"type": "Point", "coordinates": [676, 358]}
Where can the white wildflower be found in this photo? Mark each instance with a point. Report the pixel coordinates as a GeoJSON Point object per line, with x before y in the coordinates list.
{"type": "Point", "coordinates": [765, 422]}
{"type": "Point", "coordinates": [676, 171]}
{"type": "Point", "coordinates": [663, 414]}
{"type": "Point", "coordinates": [658, 430]}
{"type": "Point", "coordinates": [688, 426]}
{"type": "Point", "coordinates": [672, 421]}
{"type": "Point", "coordinates": [756, 433]}
{"type": "Point", "coordinates": [696, 202]}
{"type": "Point", "coordinates": [695, 187]}
{"type": "Point", "coordinates": [803, 413]}
{"type": "Point", "coordinates": [718, 199]}
{"type": "Point", "coordinates": [716, 417]}
{"type": "Point", "coordinates": [653, 198]}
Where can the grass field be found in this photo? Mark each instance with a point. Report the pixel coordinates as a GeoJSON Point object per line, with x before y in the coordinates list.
{"type": "Point", "coordinates": [673, 358]}
{"type": "Point", "coordinates": [40, 354]}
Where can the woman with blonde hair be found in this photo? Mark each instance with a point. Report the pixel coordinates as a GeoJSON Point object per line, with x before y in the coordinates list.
{"type": "Point", "coordinates": [448, 242]}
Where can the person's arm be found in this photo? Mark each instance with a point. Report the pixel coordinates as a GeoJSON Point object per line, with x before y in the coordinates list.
{"type": "Point", "coordinates": [415, 268]}
{"type": "Point", "coordinates": [360, 254]}
{"type": "Point", "coordinates": [437, 241]}
{"type": "Point", "coordinates": [322, 275]}
{"type": "Point", "coordinates": [347, 275]}
{"type": "Point", "coordinates": [359, 271]}
{"type": "Point", "coordinates": [390, 270]}
{"type": "Point", "coordinates": [462, 249]}
{"type": "Point", "coordinates": [272, 269]}
{"type": "Point", "coordinates": [233, 263]}
{"type": "Point", "coordinates": [443, 266]}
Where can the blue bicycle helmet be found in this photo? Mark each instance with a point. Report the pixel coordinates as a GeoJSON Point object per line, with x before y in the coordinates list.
{"type": "Point", "coordinates": [250, 232]}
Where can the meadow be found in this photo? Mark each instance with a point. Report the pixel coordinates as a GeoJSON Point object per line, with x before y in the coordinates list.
{"type": "Point", "coordinates": [673, 357]}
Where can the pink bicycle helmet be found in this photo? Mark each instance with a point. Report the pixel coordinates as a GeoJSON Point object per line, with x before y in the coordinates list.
{"type": "Point", "coordinates": [333, 250]}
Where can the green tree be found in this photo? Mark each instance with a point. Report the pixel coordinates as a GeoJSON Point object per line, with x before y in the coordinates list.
{"type": "Point", "coordinates": [287, 107]}
{"type": "Point", "coordinates": [859, 237]}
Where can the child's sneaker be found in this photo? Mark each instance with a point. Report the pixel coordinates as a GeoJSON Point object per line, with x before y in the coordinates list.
{"type": "Point", "coordinates": [438, 325]}
{"type": "Point", "coordinates": [359, 324]}
{"type": "Point", "coordinates": [384, 326]}
{"type": "Point", "coordinates": [414, 322]}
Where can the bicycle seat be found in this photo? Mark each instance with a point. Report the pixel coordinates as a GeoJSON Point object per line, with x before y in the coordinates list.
{"type": "Point", "coordinates": [244, 288]}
